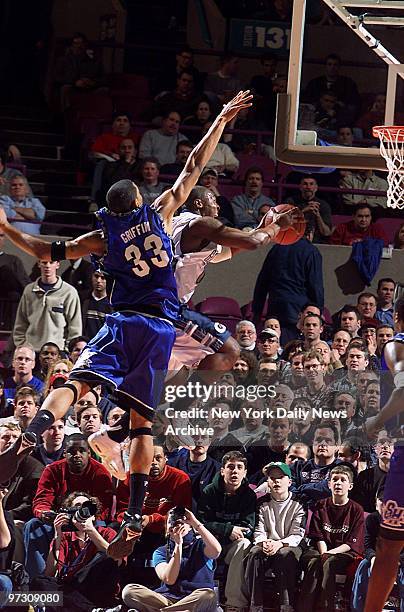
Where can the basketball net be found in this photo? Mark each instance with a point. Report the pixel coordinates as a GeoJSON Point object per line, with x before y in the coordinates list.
{"type": "Point", "coordinates": [392, 149]}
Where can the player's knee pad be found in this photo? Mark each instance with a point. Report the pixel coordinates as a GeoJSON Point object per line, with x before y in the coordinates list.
{"type": "Point", "coordinates": [96, 396]}
{"type": "Point", "coordinates": [140, 431]}
{"type": "Point", "coordinates": [73, 388]}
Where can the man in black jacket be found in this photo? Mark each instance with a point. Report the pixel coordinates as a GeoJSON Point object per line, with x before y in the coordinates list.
{"type": "Point", "coordinates": [291, 276]}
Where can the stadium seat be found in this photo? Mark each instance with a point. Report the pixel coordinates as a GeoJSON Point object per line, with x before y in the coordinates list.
{"type": "Point", "coordinates": [135, 84]}
{"type": "Point", "coordinates": [221, 310]}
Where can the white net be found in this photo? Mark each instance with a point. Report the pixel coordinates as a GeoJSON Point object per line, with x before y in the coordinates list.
{"type": "Point", "coordinates": [392, 149]}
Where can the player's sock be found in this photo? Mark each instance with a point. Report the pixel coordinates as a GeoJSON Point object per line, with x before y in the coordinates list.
{"type": "Point", "coordinates": [138, 484]}
{"type": "Point", "coordinates": [120, 430]}
{"type": "Point", "coordinates": [41, 422]}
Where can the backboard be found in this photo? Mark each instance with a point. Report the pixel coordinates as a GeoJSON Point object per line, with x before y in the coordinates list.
{"type": "Point", "coordinates": [358, 15]}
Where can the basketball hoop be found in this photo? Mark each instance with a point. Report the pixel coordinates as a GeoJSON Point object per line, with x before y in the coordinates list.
{"type": "Point", "coordinates": [392, 149]}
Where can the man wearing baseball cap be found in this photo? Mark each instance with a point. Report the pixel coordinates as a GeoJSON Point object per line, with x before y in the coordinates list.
{"type": "Point", "coordinates": [279, 530]}
{"type": "Point", "coordinates": [210, 179]}
{"type": "Point", "coordinates": [268, 344]}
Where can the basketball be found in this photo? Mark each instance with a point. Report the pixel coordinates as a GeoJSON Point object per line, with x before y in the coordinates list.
{"type": "Point", "coordinates": [291, 234]}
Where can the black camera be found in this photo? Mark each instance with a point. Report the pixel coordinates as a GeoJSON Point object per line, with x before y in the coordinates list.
{"type": "Point", "coordinates": [79, 513]}
{"type": "Point", "coordinates": [177, 516]}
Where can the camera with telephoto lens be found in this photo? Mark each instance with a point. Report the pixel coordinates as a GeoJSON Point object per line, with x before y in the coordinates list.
{"type": "Point", "coordinates": [79, 513]}
{"type": "Point", "coordinates": [177, 516]}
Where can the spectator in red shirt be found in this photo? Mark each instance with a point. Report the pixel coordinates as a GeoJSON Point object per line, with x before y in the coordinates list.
{"type": "Point", "coordinates": [359, 228]}
{"type": "Point", "coordinates": [78, 472]}
{"type": "Point", "coordinates": [337, 536]}
{"type": "Point", "coordinates": [77, 558]}
{"type": "Point", "coordinates": [167, 487]}
{"type": "Point", "coordinates": [108, 143]}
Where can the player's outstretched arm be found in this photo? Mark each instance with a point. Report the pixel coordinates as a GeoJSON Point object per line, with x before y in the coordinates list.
{"type": "Point", "coordinates": [211, 229]}
{"type": "Point", "coordinates": [172, 199]}
{"type": "Point", "coordinates": [42, 249]}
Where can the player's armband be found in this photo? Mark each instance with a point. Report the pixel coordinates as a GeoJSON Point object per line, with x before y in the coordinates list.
{"type": "Point", "coordinates": [58, 250]}
{"type": "Point", "coordinates": [399, 380]}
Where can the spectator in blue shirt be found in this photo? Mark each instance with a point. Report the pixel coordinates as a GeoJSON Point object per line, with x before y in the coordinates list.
{"type": "Point", "coordinates": [23, 364]}
{"type": "Point", "coordinates": [385, 294]}
{"type": "Point", "coordinates": [185, 567]}
{"type": "Point", "coordinates": [22, 207]}
{"type": "Point", "coordinates": [246, 206]}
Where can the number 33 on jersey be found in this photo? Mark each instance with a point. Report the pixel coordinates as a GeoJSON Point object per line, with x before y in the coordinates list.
{"type": "Point", "coordinates": [138, 257]}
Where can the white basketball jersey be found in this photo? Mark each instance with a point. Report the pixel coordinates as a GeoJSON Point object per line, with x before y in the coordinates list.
{"type": "Point", "coordinates": [190, 267]}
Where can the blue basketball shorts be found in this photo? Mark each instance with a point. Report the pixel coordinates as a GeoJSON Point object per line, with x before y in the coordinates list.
{"type": "Point", "coordinates": [392, 523]}
{"type": "Point", "coordinates": [130, 353]}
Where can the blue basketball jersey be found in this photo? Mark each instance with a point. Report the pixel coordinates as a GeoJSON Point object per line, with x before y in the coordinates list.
{"type": "Point", "coordinates": [138, 260]}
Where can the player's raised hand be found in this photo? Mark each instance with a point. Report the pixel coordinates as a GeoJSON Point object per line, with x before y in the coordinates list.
{"type": "Point", "coordinates": [242, 100]}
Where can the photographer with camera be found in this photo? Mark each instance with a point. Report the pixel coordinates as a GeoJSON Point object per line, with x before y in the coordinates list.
{"type": "Point", "coordinates": [77, 472]}
{"type": "Point", "coordinates": [77, 560]}
{"type": "Point", "coordinates": [185, 567]}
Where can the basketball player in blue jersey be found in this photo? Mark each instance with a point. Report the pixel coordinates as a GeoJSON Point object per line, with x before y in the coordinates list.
{"type": "Point", "coordinates": [132, 350]}
{"type": "Point", "coordinates": [390, 542]}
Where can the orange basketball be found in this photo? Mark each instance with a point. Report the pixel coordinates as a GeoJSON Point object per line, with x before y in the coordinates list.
{"type": "Point", "coordinates": [289, 235]}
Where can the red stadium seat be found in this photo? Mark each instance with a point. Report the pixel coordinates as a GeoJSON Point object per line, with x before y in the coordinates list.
{"type": "Point", "coordinates": [135, 84]}
{"type": "Point", "coordinates": [221, 310]}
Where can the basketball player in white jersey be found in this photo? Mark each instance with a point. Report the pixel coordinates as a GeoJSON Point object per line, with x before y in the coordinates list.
{"type": "Point", "coordinates": [200, 239]}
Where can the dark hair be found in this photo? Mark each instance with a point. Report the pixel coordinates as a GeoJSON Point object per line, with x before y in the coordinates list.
{"type": "Point", "coordinates": [333, 56]}
{"type": "Point", "coordinates": [328, 425]}
{"type": "Point", "coordinates": [350, 308]}
{"type": "Point", "coordinates": [367, 294]}
{"type": "Point", "coordinates": [386, 279]}
{"type": "Point", "coordinates": [75, 437]}
{"type": "Point", "coordinates": [73, 342]}
{"type": "Point", "coordinates": [122, 114]}
{"type": "Point", "coordinates": [187, 143]}
{"type": "Point", "coordinates": [250, 359]}
{"type": "Point", "coordinates": [396, 243]}
{"type": "Point", "coordinates": [79, 35]}
{"type": "Point", "coordinates": [307, 304]}
{"type": "Point", "coordinates": [293, 346]}
{"type": "Point", "coordinates": [68, 500]}
{"type": "Point", "coordinates": [3, 157]}
{"type": "Point", "coordinates": [353, 444]}
{"type": "Point", "coordinates": [172, 110]}
{"type": "Point", "coordinates": [185, 71]}
{"type": "Point", "coordinates": [344, 125]}
{"type": "Point", "coordinates": [361, 207]}
{"type": "Point", "coordinates": [121, 195]}
{"type": "Point", "coordinates": [319, 317]}
{"type": "Point", "coordinates": [196, 193]}
{"type": "Point", "coordinates": [151, 160]}
{"type": "Point", "coordinates": [50, 344]}
{"type": "Point", "coordinates": [234, 455]}
{"type": "Point", "coordinates": [253, 170]}
{"type": "Point", "coordinates": [308, 176]}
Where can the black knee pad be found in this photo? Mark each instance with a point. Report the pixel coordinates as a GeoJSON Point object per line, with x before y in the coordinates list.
{"type": "Point", "coordinates": [140, 431]}
{"type": "Point", "coordinates": [69, 385]}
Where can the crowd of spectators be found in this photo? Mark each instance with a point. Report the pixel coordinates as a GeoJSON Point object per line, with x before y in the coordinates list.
{"type": "Point", "coordinates": [257, 487]}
